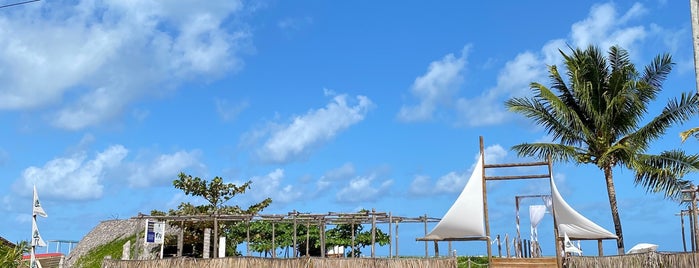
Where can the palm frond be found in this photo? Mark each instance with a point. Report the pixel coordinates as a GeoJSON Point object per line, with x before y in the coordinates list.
{"type": "Point", "coordinates": [676, 111]}
{"type": "Point", "coordinates": [557, 152]}
{"type": "Point", "coordinates": [684, 135]}
{"type": "Point", "coordinates": [664, 173]}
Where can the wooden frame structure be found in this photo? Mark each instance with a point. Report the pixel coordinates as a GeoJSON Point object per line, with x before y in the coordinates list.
{"type": "Point", "coordinates": [316, 219]}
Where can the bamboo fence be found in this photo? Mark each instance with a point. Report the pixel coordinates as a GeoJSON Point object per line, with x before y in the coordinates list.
{"type": "Point", "coordinates": [650, 259]}
{"type": "Point", "coordinates": [253, 262]}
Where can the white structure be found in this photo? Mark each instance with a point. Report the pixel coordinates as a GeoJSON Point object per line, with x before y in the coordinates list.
{"type": "Point", "coordinates": [467, 218]}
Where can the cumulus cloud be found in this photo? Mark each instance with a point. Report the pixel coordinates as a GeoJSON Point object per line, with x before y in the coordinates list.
{"type": "Point", "coordinates": [286, 142]}
{"type": "Point", "coordinates": [163, 168]}
{"type": "Point", "coordinates": [362, 189]}
{"type": "Point", "coordinates": [438, 88]}
{"type": "Point", "coordinates": [435, 87]}
{"type": "Point", "coordinates": [453, 182]}
{"type": "Point", "coordinates": [79, 177]}
{"type": "Point", "coordinates": [271, 185]}
{"type": "Point", "coordinates": [345, 171]}
{"type": "Point", "coordinates": [74, 177]}
{"type": "Point", "coordinates": [87, 61]}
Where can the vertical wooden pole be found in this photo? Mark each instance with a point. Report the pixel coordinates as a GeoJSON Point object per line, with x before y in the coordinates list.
{"type": "Point", "coordinates": [518, 249]}
{"type": "Point", "coordinates": [352, 253]}
{"type": "Point", "coordinates": [215, 235]}
{"type": "Point", "coordinates": [180, 240]}
{"type": "Point", "coordinates": [449, 249]}
{"type": "Point", "coordinates": [557, 241]}
{"type": "Point", "coordinates": [684, 240]}
{"type": "Point", "coordinates": [600, 250]}
{"type": "Point", "coordinates": [691, 228]}
{"type": "Point", "coordinates": [373, 233]}
{"type": "Point", "coordinates": [274, 246]}
{"type": "Point", "coordinates": [296, 250]}
{"type": "Point", "coordinates": [390, 235]}
{"type": "Point", "coordinates": [247, 238]}
{"type": "Point", "coordinates": [427, 254]}
{"type": "Point", "coordinates": [485, 202]}
{"type": "Point", "coordinates": [322, 238]}
{"type": "Point", "coordinates": [397, 239]}
{"type": "Point", "coordinates": [308, 236]}
{"type": "Point", "coordinates": [436, 249]}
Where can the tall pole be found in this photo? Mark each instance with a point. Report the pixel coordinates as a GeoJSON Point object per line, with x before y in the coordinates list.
{"type": "Point", "coordinates": [485, 201]}
{"type": "Point", "coordinates": [32, 252]}
{"type": "Point", "coordinates": [694, 217]}
{"type": "Point", "coordinates": [694, 14]}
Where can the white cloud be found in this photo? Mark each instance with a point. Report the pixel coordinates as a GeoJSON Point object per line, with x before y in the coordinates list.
{"type": "Point", "coordinates": [294, 24]}
{"type": "Point", "coordinates": [361, 189]}
{"type": "Point", "coordinates": [454, 182]}
{"type": "Point", "coordinates": [602, 27]}
{"type": "Point", "coordinates": [271, 185]}
{"type": "Point", "coordinates": [230, 111]}
{"type": "Point", "coordinates": [513, 81]}
{"type": "Point", "coordinates": [435, 87]}
{"type": "Point", "coordinates": [605, 28]}
{"type": "Point", "coordinates": [313, 129]}
{"type": "Point", "coordinates": [73, 177]}
{"type": "Point", "coordinates": [494, 154]}
{"type": "Point", "coordinates": [87, 61]}
{"type": "Point", "coordinates": [162, 169]}
{"type": "Point", "coordinates": [343, 172]}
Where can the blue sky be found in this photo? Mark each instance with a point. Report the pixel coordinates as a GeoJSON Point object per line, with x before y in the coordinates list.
{"type": "Point", "coordinates": [325, 106]}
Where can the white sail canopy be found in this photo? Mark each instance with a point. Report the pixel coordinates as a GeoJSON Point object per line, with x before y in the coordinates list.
{"type": "Point", "coordinates": [465, 218]}
{"type": "Point", "coordinates": [574, 224]}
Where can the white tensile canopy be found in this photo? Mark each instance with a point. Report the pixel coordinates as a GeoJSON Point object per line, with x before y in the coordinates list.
{"type": "Point", "coordinates": [572, 223]}
{"type": "Point", "coordinates": [465, 218]}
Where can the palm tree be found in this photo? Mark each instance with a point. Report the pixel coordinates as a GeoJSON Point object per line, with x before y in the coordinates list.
{"type": "Point", "coordinates": [12, 256]}
{"type": "Point", "coordinates": [596, 119]}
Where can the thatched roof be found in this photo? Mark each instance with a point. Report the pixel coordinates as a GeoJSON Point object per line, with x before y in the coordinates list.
{"type": "Point", "coordinates": [5, 242]}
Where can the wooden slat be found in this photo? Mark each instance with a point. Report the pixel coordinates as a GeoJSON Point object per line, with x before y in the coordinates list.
{"type": "Point", "coordinates": [528, 164]}
{"type": "Point", "coordinates": [499, 178]}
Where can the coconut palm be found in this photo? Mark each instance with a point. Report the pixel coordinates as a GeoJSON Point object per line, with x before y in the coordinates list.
{"type": "Point", "coordinates": [596, 116]}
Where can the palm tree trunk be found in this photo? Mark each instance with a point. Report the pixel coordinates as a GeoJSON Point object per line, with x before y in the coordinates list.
{"type": "Point", "coordinates": [611, 192]}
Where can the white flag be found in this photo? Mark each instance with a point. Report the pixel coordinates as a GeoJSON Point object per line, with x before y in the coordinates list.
{"type": "Point", "coordinates": [36, 237]}
{"type": "Point", "coordinates": [38, 210]}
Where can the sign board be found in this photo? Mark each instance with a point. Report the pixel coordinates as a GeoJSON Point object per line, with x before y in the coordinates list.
{"type": "Point", "coordinates": [155, 232]}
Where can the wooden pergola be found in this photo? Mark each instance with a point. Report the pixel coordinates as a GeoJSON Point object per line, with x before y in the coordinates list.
{"type": "Point", "coordinates": [296, 218]}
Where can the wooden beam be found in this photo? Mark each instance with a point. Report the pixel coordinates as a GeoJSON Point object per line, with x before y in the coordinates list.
{"type": "Point", "coordinates": [517, 177]}
{"type": "Point", "coordinates": [506, 165]}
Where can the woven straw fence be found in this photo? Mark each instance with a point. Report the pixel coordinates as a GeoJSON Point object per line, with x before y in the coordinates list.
{"type": "Point", "coordinates": [650, 259]}
{"type": "Point", "coordinates": [251, 262]}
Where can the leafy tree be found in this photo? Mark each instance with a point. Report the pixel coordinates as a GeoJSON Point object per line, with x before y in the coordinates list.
{"type": "Point", "coordinates": [597, 117]}
{"type": "Point", "coordinates": [216, 193]}
{"type": "Point", "coordinates": [341, 235]}
{"type": "Point", "coordinates": [12, 256]}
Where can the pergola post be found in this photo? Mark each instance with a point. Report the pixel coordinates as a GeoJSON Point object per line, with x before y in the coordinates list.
{"type": "Point", "coordinates": [427, 254]}
{"type": "Point", "coordinates": [373, 233]}
{"type": "Point", "coordinates": [397, 239]}
{"type": "Point", "coordinates": [296, 251]}
{"type": "Point", "coordinates": [390, 234]}
{"type": "Point", "coordinates": [274, 249]}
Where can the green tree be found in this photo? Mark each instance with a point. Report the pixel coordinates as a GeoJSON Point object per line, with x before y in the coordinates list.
{"type": "Point", "coordinates": [12, 256]}
{"type": "Point", "coordinates": [216, 193]}
{"type": "Point", "coordinates": [597, 117]}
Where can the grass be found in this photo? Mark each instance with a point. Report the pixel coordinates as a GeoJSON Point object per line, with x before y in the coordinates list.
{"type": "Point", "coordinates": [93, 259]}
